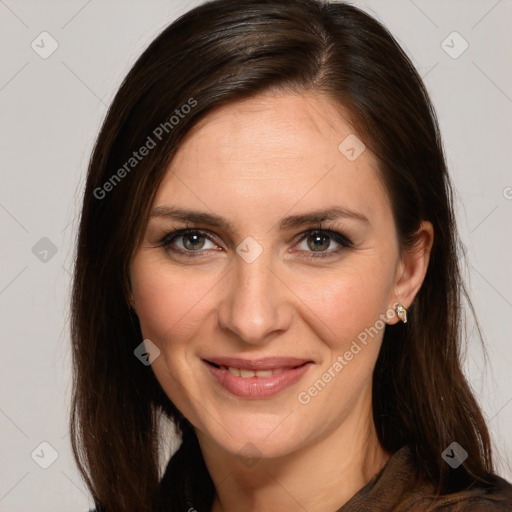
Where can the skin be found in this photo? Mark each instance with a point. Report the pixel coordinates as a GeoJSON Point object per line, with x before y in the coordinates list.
{"type": "Point", "coordinates": [255, 162]}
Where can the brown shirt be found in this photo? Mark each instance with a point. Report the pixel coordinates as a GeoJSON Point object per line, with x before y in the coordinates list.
{"type": "Point", "coordinates": [186, 486]}
{"type": "Point", "coordinates": [387, 491]}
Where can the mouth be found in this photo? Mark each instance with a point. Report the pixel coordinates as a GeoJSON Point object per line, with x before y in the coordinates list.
{"type": "Point", "coordinates": [255, 379]}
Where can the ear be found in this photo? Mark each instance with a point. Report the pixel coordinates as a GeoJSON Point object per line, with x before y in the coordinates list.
{"type": "Point", "coordinates": [412, 268]}
{"type": "Point", "coordinates": [131, 303]}
{"type": "Point", "coordinates": [129, 298]}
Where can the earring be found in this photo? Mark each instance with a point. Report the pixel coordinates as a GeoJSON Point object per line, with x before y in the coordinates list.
{"type": "Point", "coordinates": [401, 311]}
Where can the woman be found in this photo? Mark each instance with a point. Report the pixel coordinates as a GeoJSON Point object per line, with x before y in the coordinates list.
{"type": "Point", "coordinates": [267, 258]}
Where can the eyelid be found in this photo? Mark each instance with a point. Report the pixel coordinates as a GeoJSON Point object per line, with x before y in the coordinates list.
{"type": "Point", "coordinates": [336, 236]}
{"type": "Point", "coordinates": [169, 237]}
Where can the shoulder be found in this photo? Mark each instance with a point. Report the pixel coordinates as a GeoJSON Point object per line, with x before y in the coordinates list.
{"type": "Point", "coordinates": [494, 497]}
{"type": "Point", "coordinates": [401, 488]}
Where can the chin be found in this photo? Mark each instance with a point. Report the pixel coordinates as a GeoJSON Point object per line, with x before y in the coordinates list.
{"type": "Point", "coordinates": [267, 437]}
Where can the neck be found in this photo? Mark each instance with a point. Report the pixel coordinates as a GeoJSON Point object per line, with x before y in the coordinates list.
{"type": "Point", "coordinates": [319, 477]}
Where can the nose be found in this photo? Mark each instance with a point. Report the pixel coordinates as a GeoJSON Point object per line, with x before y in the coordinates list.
{"type": "Point", "coordinates": [256, 303]}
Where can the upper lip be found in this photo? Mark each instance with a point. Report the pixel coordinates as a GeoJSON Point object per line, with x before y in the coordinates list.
{"type": "Point", "coordinates": [266, 363]}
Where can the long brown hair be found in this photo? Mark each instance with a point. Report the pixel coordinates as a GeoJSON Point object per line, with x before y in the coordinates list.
{"type": "Point", "coordinates": [215, 54]}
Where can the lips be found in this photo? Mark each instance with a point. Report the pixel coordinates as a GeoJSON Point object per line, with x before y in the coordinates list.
{"type": "Point", "coordinates": [267, 363]}
{"type": "Point", "coordinates": [257, 378]}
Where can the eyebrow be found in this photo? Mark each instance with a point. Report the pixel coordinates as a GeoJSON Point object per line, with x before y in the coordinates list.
{"type": "Point", "coordinates": [289, 222]}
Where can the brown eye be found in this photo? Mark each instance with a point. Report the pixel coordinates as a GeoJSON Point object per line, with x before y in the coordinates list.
{"type": "Point", "coordinates": [318, 242]}
{"type": "Point", "coordinates": [193, 241]}
{"type": "Point", "coordinates": [188, 242]}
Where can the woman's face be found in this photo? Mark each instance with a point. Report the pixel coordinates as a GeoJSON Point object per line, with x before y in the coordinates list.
{"type": "Point", "coordinates": [301, 299]}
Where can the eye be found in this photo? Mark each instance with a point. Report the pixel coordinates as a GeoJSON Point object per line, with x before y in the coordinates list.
{"type": "Point", "coordinates": [313, 244]}
{"type": "Point", "coordinates": [316, 243]}
{"type": "Point", "coordinates": [187, 241]}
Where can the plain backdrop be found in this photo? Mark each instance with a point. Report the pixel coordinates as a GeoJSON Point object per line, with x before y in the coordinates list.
{"type": "Point", "coordinates": [51, 111]}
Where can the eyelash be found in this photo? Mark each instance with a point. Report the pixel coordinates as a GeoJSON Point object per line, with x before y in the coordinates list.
{"type": "Point", "coordinates": [342, 240]}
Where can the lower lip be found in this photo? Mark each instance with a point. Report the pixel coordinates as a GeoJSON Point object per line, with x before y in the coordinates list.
{"type": "Point", "coordinates": [257, 387]}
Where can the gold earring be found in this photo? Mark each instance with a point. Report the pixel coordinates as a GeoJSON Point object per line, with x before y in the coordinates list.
{"type": "Point", "coordinates": [401, 311]}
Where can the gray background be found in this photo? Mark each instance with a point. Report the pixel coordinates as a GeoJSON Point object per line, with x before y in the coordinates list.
{"type": "Point", "coordinates": [51, 112]}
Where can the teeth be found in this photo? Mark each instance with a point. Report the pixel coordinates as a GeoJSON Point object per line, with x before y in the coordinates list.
{"type": "Point", "coordinates": [234, 371]}
{"type": "Point", "coordinates": [246, 374]}
{"type": "Point", "coordinates": [263, 373]}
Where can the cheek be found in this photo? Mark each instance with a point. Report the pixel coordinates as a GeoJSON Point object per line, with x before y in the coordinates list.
{"type": "Point", "coordinates": [172, 306]}
{"type": "Point", "coordinates": [344, 304]}
{"type": "Point", "coordinates": [347, 313]}
{"type": "Point", "coordinates": [171, 303]}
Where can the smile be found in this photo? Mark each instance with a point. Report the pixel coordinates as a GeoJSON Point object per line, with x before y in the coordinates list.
{"type": "Point", "coordinates": [257, 379]}
{"type": "Point", "coordinates": [239, 372]}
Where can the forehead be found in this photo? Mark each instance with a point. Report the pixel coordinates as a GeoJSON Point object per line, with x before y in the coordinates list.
{"type": "Point", "coordinates": [276, 151]}
{"type": "Point", "coordinates": [269, 129]}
